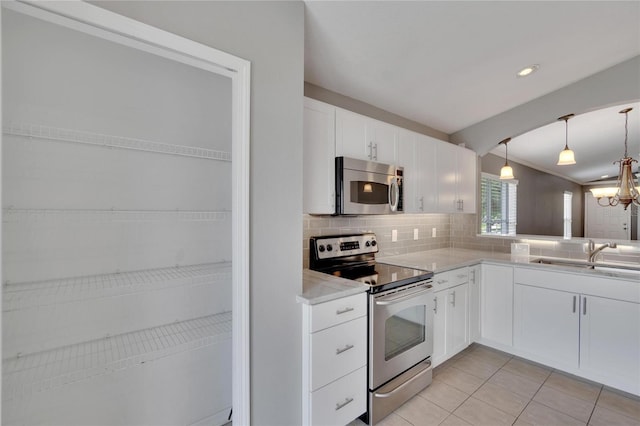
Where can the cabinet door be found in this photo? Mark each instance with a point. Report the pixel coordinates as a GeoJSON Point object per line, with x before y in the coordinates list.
{"type": "Point", "coordinates": [382, 140]}
{"type": "Point", "coordinates": [425, 157]}
{"type": "Point", "coordinates": [474, 303]}
{"type": "Point", "coordinates": [496, 304]}
{"type": "Point", "coordinates": [610, 340]}
{"type": "Point", "coordinates": [447, 177]}
{"type": "Point", "coordinates": [546, 324]}
{"type": "Point", "coordinates": [457, 319]}
{"type": "Point", "coordinates": [351, 135]}
{"type": "Point", "coordinates": [407, 159]}
{"type": "Point", "coordinates": [318, 157]}
{"type": "Point", "coordinates": [439, 327]}
{"type": "Point", "coordinates": [467, 165]}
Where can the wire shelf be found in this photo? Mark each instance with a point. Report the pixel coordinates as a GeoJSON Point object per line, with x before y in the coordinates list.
{"type": "Point", "coordinates": [41, 371]}
{"type": "Point", "coordinates": [97, 139]}
{"type": "Point", "coordinates": [77, 216]}
{"type": "Point", "coordinates": [27, 295]}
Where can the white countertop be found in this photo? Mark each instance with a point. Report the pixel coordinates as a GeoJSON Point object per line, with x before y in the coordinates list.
{"type": "Point", "coordinates": [318, 287]}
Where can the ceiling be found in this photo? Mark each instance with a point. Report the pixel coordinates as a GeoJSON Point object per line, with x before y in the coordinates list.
{"type": "Point", "coordinates": [451, 64]}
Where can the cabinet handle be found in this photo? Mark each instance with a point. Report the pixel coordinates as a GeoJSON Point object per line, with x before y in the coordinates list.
{"type": "Point", "coordinates": [422, 204]}
{"type": "Point", "coordinates": [473, 275]}
{"type": "Point", "coordinates": [574, 304]}
{"type": "Point", "coordinates": [442, 281]}
{"type": "Point", "coordinates": [461, 275]}
{"type": "Point", "coordinates": [435, 305]}
{"type": "Point", "coordinates": [453, 298]}
{"type": "Point", "coordinates": [347, 401]}
{"type": "Point", "coordinates": [344, 311]}
{"type": "Point", "coordinates": [375, 156]}
{"type": "Point", "coordinates": [584, 305]}
{"type": "Point", "coordinates": [346, 348]}
{"type": "Point", "coordinates": [370, 150]}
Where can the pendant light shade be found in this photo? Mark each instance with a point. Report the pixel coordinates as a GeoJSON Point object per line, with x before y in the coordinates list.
{"type": "Point", "coordinates": [506, 172]}
{"type": "Point", "coordinates": [566, 157]}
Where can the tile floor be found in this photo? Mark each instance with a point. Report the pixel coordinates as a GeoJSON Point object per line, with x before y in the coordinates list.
{"type": "Point", "coordinates": [482, 386]}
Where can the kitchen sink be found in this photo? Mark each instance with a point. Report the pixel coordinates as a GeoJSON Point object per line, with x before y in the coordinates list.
{"type": "Point", "coordinates": [583, 264]}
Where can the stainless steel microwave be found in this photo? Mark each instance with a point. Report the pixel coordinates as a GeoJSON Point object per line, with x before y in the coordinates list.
{"type": "Point", "coordinates": [367, 187]}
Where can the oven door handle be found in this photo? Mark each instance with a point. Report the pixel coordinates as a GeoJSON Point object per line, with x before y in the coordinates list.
{"type": "Point", "coordinates": [394, 198]}
{"type": "Point", "coordinates": [392, 300]}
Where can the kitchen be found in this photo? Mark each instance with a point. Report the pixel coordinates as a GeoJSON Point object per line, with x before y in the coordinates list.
{"type": "Point", "coordinates": [271, 36]}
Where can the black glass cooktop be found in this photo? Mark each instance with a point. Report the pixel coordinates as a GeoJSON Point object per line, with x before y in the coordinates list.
{"type": "Point", "coordinates": [382, 276]}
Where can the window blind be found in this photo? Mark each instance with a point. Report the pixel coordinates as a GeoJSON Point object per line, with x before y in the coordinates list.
{"type": "Point", "coordinates": [499, 199]}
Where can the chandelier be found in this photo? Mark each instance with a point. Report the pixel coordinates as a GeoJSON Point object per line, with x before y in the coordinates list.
{"type": "Point", "coordinates": [626, 192]}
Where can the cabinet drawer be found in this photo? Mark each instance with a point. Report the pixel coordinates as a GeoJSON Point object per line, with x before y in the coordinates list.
{"type": "Point", "coordinates": [342, 401]}
{"type": "Point", "coordinates": [337, 311]}
{"type": "Point", "coordinates": [337, 351]}
{"type": "Point", "coordinates": [447, 279]}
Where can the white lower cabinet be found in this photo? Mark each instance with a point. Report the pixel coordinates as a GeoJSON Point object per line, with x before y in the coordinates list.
{"type": "Point", "coordinates": [451, 314]}
{"type": "Point", "coordinates": [583, 325]}
{"type": "Point", "coordinates": [496, 306]}
{"type": "Point", "coordinates": [334, 376]}
{"type": "Point", "coordinates": [546, 324]}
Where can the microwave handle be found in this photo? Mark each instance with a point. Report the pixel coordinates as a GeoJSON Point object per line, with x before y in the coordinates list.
{"type": "Point", "coordinates": [394, 195]}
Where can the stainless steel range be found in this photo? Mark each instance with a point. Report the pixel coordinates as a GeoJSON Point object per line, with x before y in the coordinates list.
{"type": "Point", "coordinates": [400, 318]}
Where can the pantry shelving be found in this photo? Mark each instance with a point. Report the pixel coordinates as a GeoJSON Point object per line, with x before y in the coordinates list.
{"type": "Point", "coordinates": [117, 232]}
{"type": "Point", "coordinates": [29, 295]}
{"type": "Point", "coordinates": [28, 130]}
{"type": "Point", "coordinates": [35, 372]}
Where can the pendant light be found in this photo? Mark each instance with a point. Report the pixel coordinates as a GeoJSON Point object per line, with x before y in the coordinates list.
{"type": "Point", "coordinates": [506, 172]}
{"type": "Point", "coordinates": [626, 191]}
{"type": "Point", "coordinates": [566, 156]}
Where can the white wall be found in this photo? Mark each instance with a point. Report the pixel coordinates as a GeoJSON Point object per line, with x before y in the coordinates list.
{"type": "Point", "coordinates": [271, 36]}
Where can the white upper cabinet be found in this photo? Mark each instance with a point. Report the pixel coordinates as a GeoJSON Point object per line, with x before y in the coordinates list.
{"type": "Point", "coordinates": [457, 179]}
{"type": "Point", "coordinates": [364, 138]}
{"type": "Point", "coordinates": [417, 154]}
{"type": "Point", "coordinates": [439, 177]}
{"type": "Point", "coordinates": [319, 154]}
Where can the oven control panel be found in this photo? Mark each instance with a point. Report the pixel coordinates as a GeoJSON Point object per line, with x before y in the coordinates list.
{"type": "Point", "coordinates": [344, 245]}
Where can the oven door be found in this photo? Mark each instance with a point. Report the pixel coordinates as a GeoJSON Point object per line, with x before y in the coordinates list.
{"type": "Point", "coordinates": [400, 330]}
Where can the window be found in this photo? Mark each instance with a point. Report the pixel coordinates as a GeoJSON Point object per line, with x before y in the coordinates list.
{"type": "Point", "coordinates": [499, 199]}
{"type": "Point", "coordinates": [567, 214]}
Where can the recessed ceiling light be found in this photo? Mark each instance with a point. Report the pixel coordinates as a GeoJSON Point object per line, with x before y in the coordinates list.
{"type": "Point", "coordinates": [528, 70]}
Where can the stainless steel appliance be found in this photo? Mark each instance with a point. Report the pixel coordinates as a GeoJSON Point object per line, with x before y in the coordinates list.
{"type": "Point", "coordinates": [366, 187]}
{"type": "Point", "coordinates": [400, 318]}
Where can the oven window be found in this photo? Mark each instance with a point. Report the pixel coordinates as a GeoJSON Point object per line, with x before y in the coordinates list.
{"type": "Point", "coordinates": [363, 192]}
{"type": "Point", "coordinates": [404, 330]}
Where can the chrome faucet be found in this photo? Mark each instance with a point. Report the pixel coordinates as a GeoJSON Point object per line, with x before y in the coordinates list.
{"type": "Point", "coordinates": [593, 250]}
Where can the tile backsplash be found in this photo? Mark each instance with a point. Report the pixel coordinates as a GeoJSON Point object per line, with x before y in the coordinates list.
{"type": "Point", "coordinates": [452, 230]}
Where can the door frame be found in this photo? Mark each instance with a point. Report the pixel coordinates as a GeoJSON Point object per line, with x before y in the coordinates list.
{"type": "Point", "coordinates": [108, 25]}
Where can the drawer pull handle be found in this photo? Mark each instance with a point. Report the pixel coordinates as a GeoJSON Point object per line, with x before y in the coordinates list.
{"type": "Point", "coordinates": [574, 304]}
{"type": "Point", "coordinates": [347, 401]}
{"type": "Point", "coordinates": [346, 348]}
{"type": "Point", "coordinates": [453, 298]}
{"type": "Point", "coordinates": [343, 311]}
{"type": "Point", "coordinates": [461, 275]}
{"type": "Point", "coordinates": [442, 281]}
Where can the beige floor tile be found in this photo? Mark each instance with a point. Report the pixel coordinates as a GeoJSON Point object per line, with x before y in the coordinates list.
{"type": "Point", "coordinates": [439, 369]}
{"type": "Point", "coordinates": [489, 355]}
{"type": "Point", "coordinates": [393, 420]}
{"type": "Point", "coordinates": [476, 366]}
{"type": "Point", "coordinates": [614, 401]}
{"type": "Point", "coordinates": [454, 420]}
{"type": "Point", "coordinates": [444, 395]}
{"type": "Point", "coordinates": [573, 386]}
{"type": "Point", "coordinates": [540, 415]}
{"type": "Point", "coordinates": [515, 383]}
{"type": "Point", "coordinates": [604, 417]}
{"type": "Point", "coordinates": [477, 412]}
{"type": "Point", "coordinates": [460, 380]}
{"type": "Point", "coordinates": [501, 398]}
{"type": "Point", "coordinates": [565, 403]}
{"type": "Point", "coordinates": [420, 412]}
{"type": "Point", "coordinates": [527, 369]}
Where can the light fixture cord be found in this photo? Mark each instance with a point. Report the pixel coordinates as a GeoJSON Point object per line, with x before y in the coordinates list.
{"type": "Point", "coordinates": [566, 134]}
